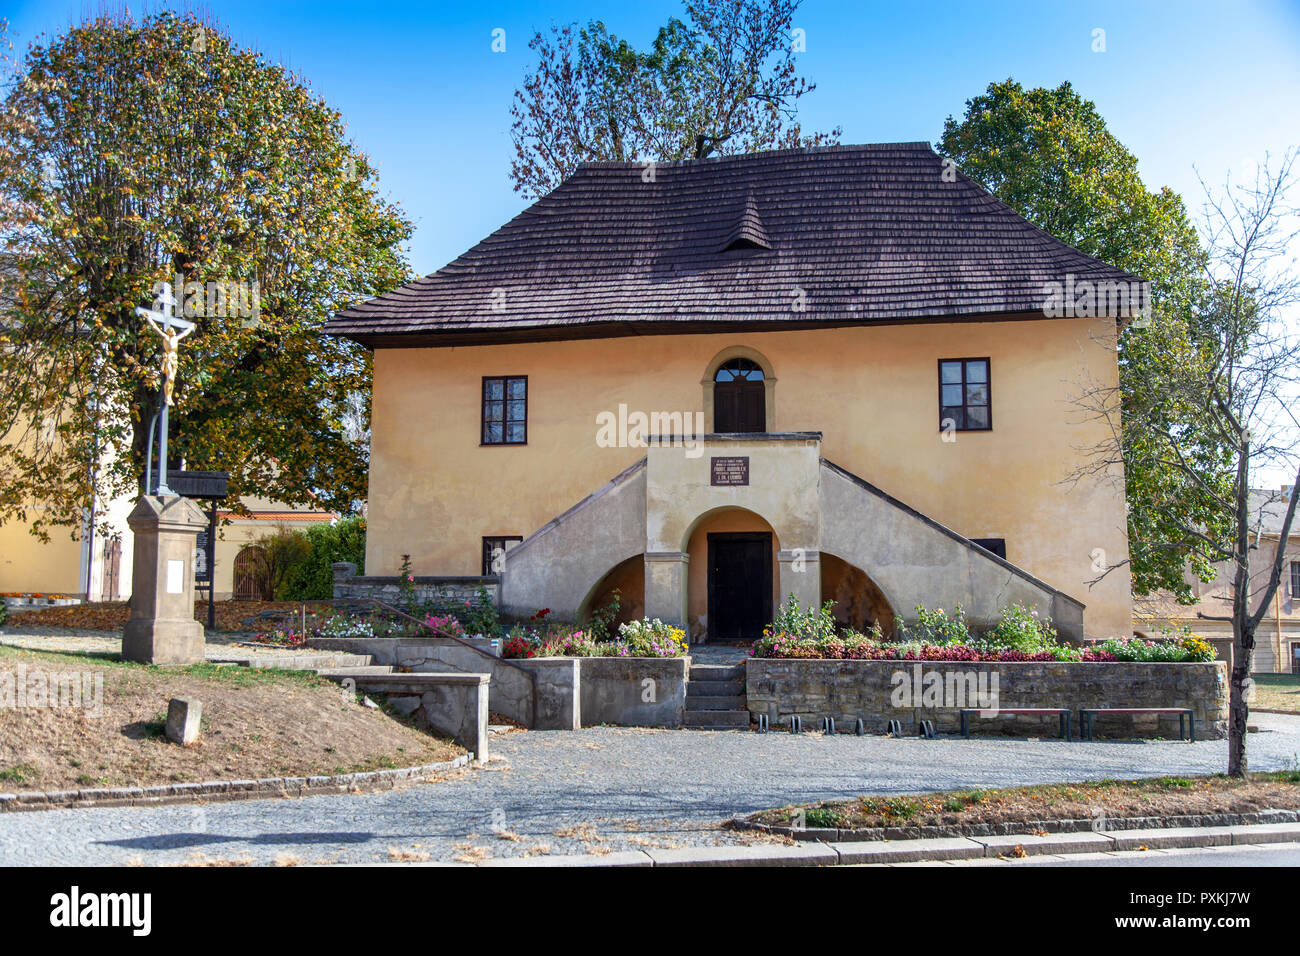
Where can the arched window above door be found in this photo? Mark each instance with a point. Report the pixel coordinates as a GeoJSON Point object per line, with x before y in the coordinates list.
{"type": "Point", "coordinates": [739, 391]}
{"type": "Point", "coordinates": [739, 399]}
{"type": "Point", "coordinates": [738, 370]}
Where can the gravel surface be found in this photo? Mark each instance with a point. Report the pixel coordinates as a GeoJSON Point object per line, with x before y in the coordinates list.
{"type": "Point", "coordinates": [598, 789]}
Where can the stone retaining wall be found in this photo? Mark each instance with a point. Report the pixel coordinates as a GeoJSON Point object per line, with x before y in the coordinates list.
{"type": "Point", "coordinates": [869, 690]}
{"type": "Point", "coordinates": [455, 705]}
{"type": "Point", "coordinates": [425, 589]}
{"type": "Point", "coordinates": [633, 691]}
{"type": "Point", "coordinates": [543, 693]}
{"type": "Point", "coordinates": [511, 692]}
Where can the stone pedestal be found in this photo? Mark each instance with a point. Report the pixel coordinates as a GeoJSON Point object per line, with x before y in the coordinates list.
{"type": "Point", "coordinates": [162, 629]}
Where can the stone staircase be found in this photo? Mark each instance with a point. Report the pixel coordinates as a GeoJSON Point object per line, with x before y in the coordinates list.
{"type": "Point", "coordinates": [365, 674]}
{"type": "Point", "coordinates": [715, 697]}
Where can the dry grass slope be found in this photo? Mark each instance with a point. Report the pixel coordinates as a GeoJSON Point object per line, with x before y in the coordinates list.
{"type": "Point", "coordinates": [256, 723]}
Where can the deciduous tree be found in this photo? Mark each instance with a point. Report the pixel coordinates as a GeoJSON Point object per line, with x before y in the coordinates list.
{"type": "Point", "coordinates": [1048, 154]}
{"type": "Point", "coordinates": [725, 82]}
{"type": "Point", "coordinates": [132, 152]}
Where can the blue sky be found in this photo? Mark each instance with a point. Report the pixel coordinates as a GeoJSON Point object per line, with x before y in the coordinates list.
{"type": "Point", "coordinates": [1185, 85]}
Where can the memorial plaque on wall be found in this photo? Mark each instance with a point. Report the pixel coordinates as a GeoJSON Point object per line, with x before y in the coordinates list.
{"type": "Point", "coordinates": [729, 471]}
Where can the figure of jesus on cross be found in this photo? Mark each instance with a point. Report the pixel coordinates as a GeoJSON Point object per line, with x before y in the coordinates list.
{"type": "Point", "coordinates": [171, 340]}
{"type": "Point", "coordinates": [166, 323]}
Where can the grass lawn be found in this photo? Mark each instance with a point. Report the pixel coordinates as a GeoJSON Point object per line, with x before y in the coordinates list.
{"type": "Point", "coordinates": [256, 723]}
{"type": "Point", "coordinates": [1277, 692]}
{"type": "Point", "coordinates": [1161, 796]}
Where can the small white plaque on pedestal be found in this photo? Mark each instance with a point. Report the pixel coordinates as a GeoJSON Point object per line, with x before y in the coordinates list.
{"type": "Point", "coordinates": [175, 577]}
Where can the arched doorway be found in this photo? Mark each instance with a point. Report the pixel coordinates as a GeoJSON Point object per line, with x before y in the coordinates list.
{"type": "Point", "coordinates": [731, 576]}
{"type": "Point", "coordinates": [250, 575]}
{"type": "Point", "coordinates": [739, 397]}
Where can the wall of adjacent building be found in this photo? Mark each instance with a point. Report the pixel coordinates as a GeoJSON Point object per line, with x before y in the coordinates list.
{"type": "Point", "coordinates": [872, 392]}
{"type": "Point", "coordinates": [70, 562]}
{"type": "Point", "coordinates": [1279, 630]}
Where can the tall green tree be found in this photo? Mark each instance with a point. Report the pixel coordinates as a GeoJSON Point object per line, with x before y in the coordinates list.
{"type": "Point", "coordinates": [135, 151]}
{"type": "Point", "coordinates": [1237, 379]}
{"type": "Point", "coordinates": [1048, 154]}
{"type": "Point", "coordinates": [723, 82]}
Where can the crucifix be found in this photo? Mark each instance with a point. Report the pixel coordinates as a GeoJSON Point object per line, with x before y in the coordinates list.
{"type": "Point", "coordinates": [171, 328]}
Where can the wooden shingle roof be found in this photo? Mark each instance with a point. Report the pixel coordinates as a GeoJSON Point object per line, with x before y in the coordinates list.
{"type": "Point", "coordinates": [854, 235]}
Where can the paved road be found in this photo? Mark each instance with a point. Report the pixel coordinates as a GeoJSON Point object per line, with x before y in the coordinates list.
{"type": "Point", "coordinates": [602, 788]}
{"type": "Point", "coordinates": [1276, 854]}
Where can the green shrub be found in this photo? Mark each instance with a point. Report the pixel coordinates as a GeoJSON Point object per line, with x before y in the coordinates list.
{"type": "Point", "coordinates": [280, 553]}
{"type": "Point", "coordinates": [480, 616]}
{"type": "Point", "coordinates": [310, 577]}
{"type": "Point", "coordinates": [1190, 648]}
{"type": "Point", "coordinates": [600, 622]}
{"type": "Point", "coordinates": [937, 627]}
{"type": "Point", "coordinates": [811, 623]}
{"type": "Point", "coordinates": [1022, 630]}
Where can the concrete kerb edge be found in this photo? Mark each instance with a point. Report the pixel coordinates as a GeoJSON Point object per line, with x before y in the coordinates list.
{"type": "Point", "coordinates": [1019, 828]}
{"type": "Point", "coordinates": [915, 851]}
{"type": "Point", "coordinates": [216, 791]}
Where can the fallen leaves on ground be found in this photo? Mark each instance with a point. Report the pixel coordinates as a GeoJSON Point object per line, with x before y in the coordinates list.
{"type": "Point", "coordinates": [112, 615]}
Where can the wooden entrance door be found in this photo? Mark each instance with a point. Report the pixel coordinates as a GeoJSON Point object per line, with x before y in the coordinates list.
{"type": "Point", "coordinates": [740, 585]}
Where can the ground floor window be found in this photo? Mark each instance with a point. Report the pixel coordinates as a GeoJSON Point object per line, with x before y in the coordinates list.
{"type": "Point", "coordinates": [1295, 658]}
{"type": "Point", "coordinates": [494, 552]}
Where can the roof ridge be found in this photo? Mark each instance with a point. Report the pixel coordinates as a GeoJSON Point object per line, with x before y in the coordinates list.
{"type": "Point", "coordinates": [872, 234]}
{"type": "Point", "coordinates": [752, 154]}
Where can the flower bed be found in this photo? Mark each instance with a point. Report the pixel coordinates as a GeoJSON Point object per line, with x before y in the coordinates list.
{"type": "Point", "coordinates": [1020, 636]}
{"type": "Point", "coordinates": [644, 638]}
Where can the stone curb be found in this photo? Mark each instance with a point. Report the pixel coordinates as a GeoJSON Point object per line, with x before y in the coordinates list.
{"type": "Point", "coordinates": [981, 830]}
{"type": "Point", "coordinates": [918, 851]}
{"type": "Point", "coordinates": [215, 791]}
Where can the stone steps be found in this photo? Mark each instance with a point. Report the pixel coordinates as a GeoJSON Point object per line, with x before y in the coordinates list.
{"type": "Point", "coordinates": [369, 670]}
{"type": "Point", "coordinates": [714, 688]}
{"type": "Point", "coordinates": [717, 672]}
{"type": "Point", "coordinates": [700, 704]}
{"type": "Point", "coordinates": [715, 697]}
{"type": "Point", "coordinates": [296, 662]}
{"type": "Point", "coordinates": [393, 683]}
{"type": "Point", "coordinates": [717, 719]}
